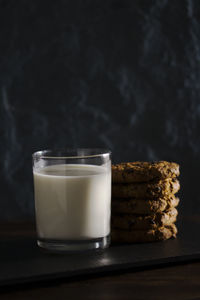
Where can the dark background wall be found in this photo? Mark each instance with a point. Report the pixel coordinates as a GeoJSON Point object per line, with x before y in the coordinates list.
{"type": "Point", "coordinates": [124, 75]}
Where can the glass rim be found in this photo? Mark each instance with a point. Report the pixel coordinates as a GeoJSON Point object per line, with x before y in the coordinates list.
{"type": "Point", "coordinates": [43, 154]}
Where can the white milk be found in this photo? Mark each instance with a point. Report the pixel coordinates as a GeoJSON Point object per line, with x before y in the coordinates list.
{"type": "Point", "coordinates": [72, 201]}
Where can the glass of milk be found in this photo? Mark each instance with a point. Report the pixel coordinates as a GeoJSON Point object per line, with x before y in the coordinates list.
{"type": "Point", "coordinates": [72, 190]}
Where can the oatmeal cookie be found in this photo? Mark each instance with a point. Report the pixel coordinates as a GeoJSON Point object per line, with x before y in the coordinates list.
{"type": "Point", "coordinates": [143, 171]}
{"type": "Point", "coordinates": [143, 190]}
{"type": "Point", "coordinates": [131, 221]}
{"type": "Point", "coordinates": [143, 236]}
{"type": "Point", "coordinates": [143, 206]}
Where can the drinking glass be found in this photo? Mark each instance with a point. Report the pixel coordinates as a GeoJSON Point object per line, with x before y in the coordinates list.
{"type": "Point", "coordinates": [72, 190]}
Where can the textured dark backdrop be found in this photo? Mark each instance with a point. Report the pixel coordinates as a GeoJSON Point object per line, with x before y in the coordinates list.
{"type": "Point", "coordinates": [124, 75]}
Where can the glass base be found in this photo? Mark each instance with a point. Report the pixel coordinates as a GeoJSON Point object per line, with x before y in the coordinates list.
{"type": "Point", "coordinates": [58, 246]}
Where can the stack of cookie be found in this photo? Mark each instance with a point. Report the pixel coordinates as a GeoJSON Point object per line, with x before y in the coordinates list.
{"type": "Point", "coordinates": [144, 202]}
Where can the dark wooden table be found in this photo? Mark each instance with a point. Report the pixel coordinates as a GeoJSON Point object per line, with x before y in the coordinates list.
{"type": "Point", "coordinates": [174, 282]}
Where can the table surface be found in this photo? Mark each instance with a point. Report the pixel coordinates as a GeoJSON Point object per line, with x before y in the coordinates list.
{"type": "Point", "coordinates": [174, 282]}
